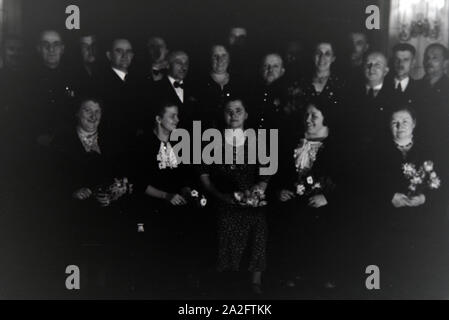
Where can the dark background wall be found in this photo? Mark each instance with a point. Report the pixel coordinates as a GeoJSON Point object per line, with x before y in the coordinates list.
{"type": "Point", "coordinates": [194, 24]}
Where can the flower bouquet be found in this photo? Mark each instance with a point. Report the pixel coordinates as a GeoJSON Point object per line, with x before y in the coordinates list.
{"type": "Point", "coordinates": [198, 199]}
{"type": "Point", "coordinates": [311, 186]}
{"type": "Point", "coordinates": [421, 178]}
{"type": "Point", "coordinates": [112, 192]}
{"type": "Point", "coordinates": [253, 199]}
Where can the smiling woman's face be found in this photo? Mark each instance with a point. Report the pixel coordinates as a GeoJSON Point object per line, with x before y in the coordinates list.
{"type": "Point", "coordinates": [402, 125]}
{"type": "Point", "coordinates": [89, 116]}
{"type": "Point", "coordinates": [314, 120]}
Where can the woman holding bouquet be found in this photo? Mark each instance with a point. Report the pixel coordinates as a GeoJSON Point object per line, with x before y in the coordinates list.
{"type": "Point", "coordinates": [92, 177]}
{"type": "Point", "coordinates": [238, 191]}
{"type": "Point", "coordinates": [405, 221]}
{"type": "Point", "coordinates": [163, 204]}
{"type": "Point", "coordinates": [308, 182]}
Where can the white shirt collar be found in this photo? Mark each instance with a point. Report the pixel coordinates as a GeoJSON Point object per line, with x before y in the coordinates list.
{"type": "Point", "coordinates": [404, 83]}
{"type": "Point", "coordinates": [376, 88]}
{"type": "Point", "coordinates": [173, 80]}
{"type": "Point", "coordinates": [120, 73]}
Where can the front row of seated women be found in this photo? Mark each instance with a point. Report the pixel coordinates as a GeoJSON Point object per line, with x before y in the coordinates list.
{"type": "Point", "coordinates": [325, 202]}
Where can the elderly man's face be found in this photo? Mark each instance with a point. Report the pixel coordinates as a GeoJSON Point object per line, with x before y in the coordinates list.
{"type": "Point", "coordinates": [220, 59]}
{"type": "Point", "coordinates": [88, 49]}
{"type": "Point", "coordinates": [434, 62]}
{"type": "Point", "coordinates": [403, 62]}
{"type": "Point", "coordinates": [324, 57]}
{"type": "Point", "coordinates": [13, 52]}
{"type": "Point", "coordinates": [179, 66]}
{"type": "Point", "coordinates": [157, 48]}
{"type": "Point", "coordinates": [359, 46]}
{"type": "Point", "coordinates": [51, 48]}
{"type": "Point", "coordinates": [272, 68]}
{"type": "Point", "coordinates": [376, 68]}
{"type": "Point", "coordinates": [121, 54]}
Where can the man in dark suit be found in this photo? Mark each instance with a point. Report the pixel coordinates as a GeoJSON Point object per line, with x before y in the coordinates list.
{"type": "Point", "coordinates": [406, 90]}
{"type": "Point", "coordinates": [118, 89]}
{"type": "Point", "coordinates": [371, 100]}
{"type": "Point", "coordinates": [269, 94]}
{"type": "Point", "coordinates": [177, 90]}
{"type": "Point", "coordinates": [435, 95]}
{"type": "Point", "coordinates": [88, 71]}
{"type": "Point", "coordinates": [49, 91]}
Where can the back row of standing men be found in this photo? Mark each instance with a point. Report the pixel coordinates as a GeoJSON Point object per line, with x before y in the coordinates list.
{"type": "Point", "coordinates": [40, 97]}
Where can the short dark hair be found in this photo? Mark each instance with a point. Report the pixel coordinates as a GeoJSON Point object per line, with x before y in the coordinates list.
{"type": "Point", "coordinates": [235, 98]}
{"type": "Point", "coordinates": [327, 111]}
{"type": "Point", "coordinates": [161, 106]}
{"type": "Point", "coordinates": [84, 99]}
{"type": "Point", "coordinates": [406, 108]}
{"type": "Point", "coordinates": [404, 47]}
{"type": "Point", "coordinates": [328, 41]}
{"type": "Point", "coordinates": [116, 38]}
{"type": "Point", "coordinates": [440, 46]}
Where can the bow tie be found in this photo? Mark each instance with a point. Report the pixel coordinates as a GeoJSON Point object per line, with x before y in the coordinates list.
{"type": "Point", "coordinates": [177, 84]}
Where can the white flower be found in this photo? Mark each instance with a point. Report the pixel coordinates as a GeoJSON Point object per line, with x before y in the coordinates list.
{"type": "Point", "coordinates": [194, 194]}
{"type": "Point", "coordinates": [203, 202]}
{"type": "Point", "coordinates": [300, 189]}
{"type": "Point", "coordinates": [428, 166]}
{"type": "Point", "coordinates": [409, 169]}
{"type": "Point", "coordinates": [262, 203]}
{"type": "Point", "coordinates": [316, 186]}
{"type": "Point", "coordinates": [310, 180]}
{"type": "Point", "coordinates": [433, 175]}
{"type": "Point", "coordinates": [238, 196]}
{"type": "Point", "coordinates": [435, 183]}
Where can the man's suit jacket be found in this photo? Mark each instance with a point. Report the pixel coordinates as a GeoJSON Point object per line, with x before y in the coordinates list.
{"type": "Point", "coordinates": [409, 97]}
{"type": "Point", "coordinates": [120, 101]}
{"type": "Point", "coordinates": [370, 115]}
{"type": "Point", "coordinates": [189, 109]}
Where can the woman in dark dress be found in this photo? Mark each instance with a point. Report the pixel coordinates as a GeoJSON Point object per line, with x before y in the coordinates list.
{"type": "Point", "coordinates": [309, 183]}
{"type": "Point", "coordinates": [220, 85]}
{"type": "Point", "coordinates": [92, 177]}
{"type": "Point", "coordinates": [241, 229]}
{"type": "Point", "coordinates": [405, 223]}
{"type": "Point", "coordinates": [323, 85]}
{"type": "Point", "coordinates": [162, 191]}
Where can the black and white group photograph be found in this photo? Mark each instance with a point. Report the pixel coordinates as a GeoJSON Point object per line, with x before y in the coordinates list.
{"type": "Point", "coordinates": [210, 150]}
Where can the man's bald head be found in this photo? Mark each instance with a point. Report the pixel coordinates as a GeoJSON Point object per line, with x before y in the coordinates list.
{"type": "Point", "coordinates": [272, 68]}
{"type": "Point", "coordinates": [375, 68]}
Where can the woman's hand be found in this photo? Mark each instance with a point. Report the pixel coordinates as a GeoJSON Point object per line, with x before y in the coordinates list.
{"type": "Point", "coordinates": [317, 201]}
{"type": "Point", "coordinates": [417, 201]}
{"type": "Point", "coordinates": [400, 200]}
{"type": "Point", "coordinates": [262, 186]}
{"type": "Point", "coordinates": [82, 194]}
{"type": "Point", "coordinates": [104, 199]}
{"type": "Point", "coordinates": [286, 195]}
{"type": "Point", "coordinates": [176, 199]}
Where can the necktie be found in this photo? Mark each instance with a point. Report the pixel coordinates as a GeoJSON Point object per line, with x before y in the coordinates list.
{"type": "Point", "coordinates": [176, 84]}
{"type": "Point", "coordinates": [399, 88]}
{"type": "Point", "coordinates": [371, 93]}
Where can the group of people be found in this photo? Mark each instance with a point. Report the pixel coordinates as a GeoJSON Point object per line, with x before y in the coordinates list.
{"type": "Point", "coordinates": [94, 141]}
